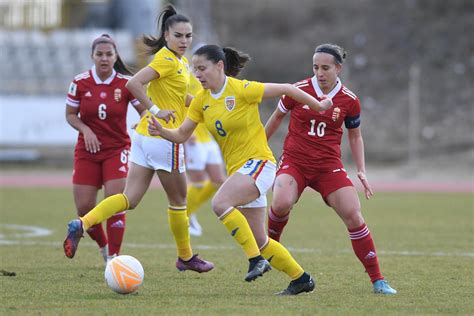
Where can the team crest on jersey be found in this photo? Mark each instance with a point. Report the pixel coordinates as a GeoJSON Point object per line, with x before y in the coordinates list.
{"type": "Point", "coordinates": [73, 89]}
{"type": "Point", "coordinates": [230, 103]}
{"type": "Point", "coordinates": [335, 114]}
{"type": "Point", "coordinates": [103, 95]}
{"type": "Point", "coordinates": [117, 95]}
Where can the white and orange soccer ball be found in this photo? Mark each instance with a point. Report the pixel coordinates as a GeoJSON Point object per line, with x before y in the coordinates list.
{"type": "Point", "coordinates": [124, 274]}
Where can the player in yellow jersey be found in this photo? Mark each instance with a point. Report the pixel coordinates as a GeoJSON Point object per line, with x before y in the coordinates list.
{"type": "Point", "coordinates": [204, 167]}
{"type": "Point", "coordinates": [167, 81]}
{"type": "Point", "coordinates": [229, 109]}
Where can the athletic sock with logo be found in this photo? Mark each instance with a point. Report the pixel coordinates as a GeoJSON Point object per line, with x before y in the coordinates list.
{"type": "Point", "coordinates": [239, 229]}
{"type": "Point", "coordinates": [276, 224]}
{"type": "Point", "coordinates": [115, 232]}
{"type": "Point", "coordinates": [364, 249]}
{"type": "Point", "coordinates": [105, 209]}
{"type": "Point", "coordinates": [281, 259]}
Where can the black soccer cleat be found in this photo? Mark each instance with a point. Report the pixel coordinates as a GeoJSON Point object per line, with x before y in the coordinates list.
{"type": "Point", "coordinates": [297, 287]}
{"type": "Point", "coordinates": [257, 268]}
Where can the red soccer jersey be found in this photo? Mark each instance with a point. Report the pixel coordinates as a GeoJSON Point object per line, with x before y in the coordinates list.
{"type": "Point", "coordinates": [103, 107]}
{"type": "Point", "coordinates": [314, 138]}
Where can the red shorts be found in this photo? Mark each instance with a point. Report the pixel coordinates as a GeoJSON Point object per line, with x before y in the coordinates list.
{"type": "Point", "coordinates": [323, 181]}
{"type": "Point", "coordinates": [95, 170]}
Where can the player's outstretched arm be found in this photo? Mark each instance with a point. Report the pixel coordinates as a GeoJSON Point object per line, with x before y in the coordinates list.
{"type": "Point", "coordinates": [273, 90]}
{"type": "Point", "coordinates": [176, 135]}
{"type": "Point", "coordinates": [274, 122]}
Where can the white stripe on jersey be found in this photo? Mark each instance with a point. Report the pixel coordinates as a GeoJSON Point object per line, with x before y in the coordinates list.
{"type": "Point", "coordinates": [84, 75]}
{"type": "Point", "coordinates": [281, 107]}
{"type": "Point", "coordinates": [349, 93]}
{"type": "Point", "coordinates": [122, 76]}
{"type": "Point", "coordinates": [71, 102]}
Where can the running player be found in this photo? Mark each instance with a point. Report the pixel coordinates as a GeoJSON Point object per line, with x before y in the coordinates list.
{"type": "Point", "coordinates": [167, 81]}
{"type": "Point", "coordinates": [204, 167]}
{"type": "Point", "coordinates": [96, 106]}
{"type": "Point", "coordinates": [312, 157]}
{"type": "Point", "coordinates": [229, 109]}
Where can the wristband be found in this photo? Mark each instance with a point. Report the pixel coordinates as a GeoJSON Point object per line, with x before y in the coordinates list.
{"type": "Point", "coordinates": [154, 109]}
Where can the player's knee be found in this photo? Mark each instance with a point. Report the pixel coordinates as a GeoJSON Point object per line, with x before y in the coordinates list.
{"type": "Point", "coordinates": [219, 205]}
{"type": "Point", "coordinates": [353, 218]}
{"type": "Point", "coordinates": [282, 206]}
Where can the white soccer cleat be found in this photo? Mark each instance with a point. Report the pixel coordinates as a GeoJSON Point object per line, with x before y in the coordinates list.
{"type": "Point", "coordinates": [194, 228]}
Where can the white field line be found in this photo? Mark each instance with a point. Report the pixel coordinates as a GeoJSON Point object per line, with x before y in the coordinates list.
{"type": "Point", "coordinates": [26, 231]}
{"type": "Point", "coordinates": [57, 244]}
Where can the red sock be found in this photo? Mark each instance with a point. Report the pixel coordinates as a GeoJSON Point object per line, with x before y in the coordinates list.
{"type": "Point", "coordinates": [364, 249]}
{"type": "Point", "coordinates": [97, 233]}
{"type": "Point", "coordinates": [115, 232]}
{"type": "Point", "coordinates": [276, 224]}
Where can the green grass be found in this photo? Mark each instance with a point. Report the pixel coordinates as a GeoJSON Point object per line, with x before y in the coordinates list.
{"type": "Point", "coordinates": [425, 244]}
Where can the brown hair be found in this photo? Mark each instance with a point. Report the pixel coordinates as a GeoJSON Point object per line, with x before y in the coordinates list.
{"type": "Point", "coordinates": [119, 65]}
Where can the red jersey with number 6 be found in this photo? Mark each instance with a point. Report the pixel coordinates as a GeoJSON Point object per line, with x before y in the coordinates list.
{"type": "Point", "coordinates": [314, 138]}
{"type": "Point", "coordinates": [103, 107]}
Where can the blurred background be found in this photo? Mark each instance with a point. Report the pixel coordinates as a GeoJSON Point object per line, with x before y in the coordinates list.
{"type": "Point", "coordinates": [411, 62]}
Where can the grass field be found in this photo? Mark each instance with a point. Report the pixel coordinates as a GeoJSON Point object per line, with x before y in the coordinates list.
{"type": "Point", "coordinates": [424, 241]}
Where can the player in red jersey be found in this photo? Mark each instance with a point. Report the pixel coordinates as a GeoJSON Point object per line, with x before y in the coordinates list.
{"type": "Point", "coordinates": [312, 157]}
{"type": "Point", "coordinates": [96, 106]}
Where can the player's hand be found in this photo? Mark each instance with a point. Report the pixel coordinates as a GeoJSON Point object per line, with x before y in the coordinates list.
{"type": "Point", "coordinates": [166, 115]}
{"type": "Point", "coordinates": [326, 102]}
{"type": "Point", "coordinates": [154, 128]}
{"type": "Point", "coordinates": [134, 126]}
{"type": "Point", "coordinates": [367, 189]}
{"type": "Point", "coordinates": [91, 141]}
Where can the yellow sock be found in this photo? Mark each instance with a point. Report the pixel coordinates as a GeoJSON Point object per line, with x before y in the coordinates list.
{"type": "Point", "coordinates": [281, 259]}
{"type": "Point", "coordinates": [104, 210]}
{"type": "Point", "coordinates": [179, 226]}
{"type": "Point", "coordinates": [199, 193]}
{"type": "Point", "coordinates": [239, 228]}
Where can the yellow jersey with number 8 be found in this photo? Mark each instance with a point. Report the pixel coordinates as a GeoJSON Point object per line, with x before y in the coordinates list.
{"type": "Point", "coordinates": [233, 119]}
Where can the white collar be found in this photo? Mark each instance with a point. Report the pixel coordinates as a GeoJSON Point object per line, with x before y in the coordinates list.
{"type": "Point", "coordinates": [98, 80]}
{"type": "Point", "coordinates": [320, 93]}
{"type": "Point", "coordinates": [218, 94]}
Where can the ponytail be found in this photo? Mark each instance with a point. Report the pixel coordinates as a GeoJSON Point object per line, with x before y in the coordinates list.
{"type": "Point", "coordinates": [167, 18]}
{"type": "Point", "coordinates": [234, 61]}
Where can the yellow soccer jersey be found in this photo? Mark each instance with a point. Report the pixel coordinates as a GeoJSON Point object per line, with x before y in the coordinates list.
{"type": "Point", "coordinates": [233, 119]}
{"type": "Point", "coordinates": [169, 91]}
{"type": "Point", "coordinates": [201, 132]}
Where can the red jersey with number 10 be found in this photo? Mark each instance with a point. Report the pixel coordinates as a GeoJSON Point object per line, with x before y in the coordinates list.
{"type": "Point", "coordinates": [314, 138]}
{"type": "Point", "coordinates": [103, 107]}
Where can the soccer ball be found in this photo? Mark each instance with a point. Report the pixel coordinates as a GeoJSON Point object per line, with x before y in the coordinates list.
{"type": "Point", "coordinates": [124, 274]}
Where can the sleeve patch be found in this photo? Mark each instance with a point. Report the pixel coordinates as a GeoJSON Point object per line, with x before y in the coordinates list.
{"type": "Point", "coordinates": [72, 89]}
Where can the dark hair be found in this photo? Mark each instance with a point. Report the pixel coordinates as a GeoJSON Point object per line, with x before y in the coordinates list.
{"type": "Point", "coordinates": [119, 65]}
{"type": "Point", "coordinates": [234, 61]}
{"type": "Point", "coordinates": [337, 51]}
{"type": "Point", "coordinates": [167, 18]}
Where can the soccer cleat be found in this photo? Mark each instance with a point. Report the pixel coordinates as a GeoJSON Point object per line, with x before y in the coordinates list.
{"type": "Point", "coordinates": [194, 228]}
{"type": "Point", "coordinates": [74, 235]}
{"type": "Point", "coordinates": [382, 287]}
{"type": "Point", "coordinates": [194, 264]}
{"type": "Point", "coordinates": [257, 269]}
{"type": "Point", "coordinates": [296, 287]}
